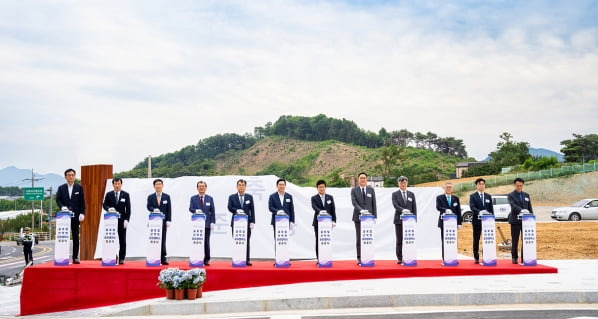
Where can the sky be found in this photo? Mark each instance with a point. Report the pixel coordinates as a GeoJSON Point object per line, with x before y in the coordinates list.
{"type": "Point", "coordinates": [111, 82]}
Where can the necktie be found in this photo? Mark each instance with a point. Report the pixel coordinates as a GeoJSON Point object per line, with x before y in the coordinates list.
{"type": "Point", "coordinates": [363, 193]}
{"type": "Point", "coordinates": [116, 195]}
{"type": "Point", "coordinates": [158, 197]}
{"type": "Point", "coordinates": [521, 198]}
{"type": "Point", "coordinates": [241, 200]}
{"type": "Point", "coordinates": [405, 197]}
{"type": "Point", "coordinates": [448, 199]}
{"type": "Point", "coordinates": [323, 201]}
{"type": "Point", "coordinates": [201, 201]}
{"type": "Point", "coordinates": [482, 198]}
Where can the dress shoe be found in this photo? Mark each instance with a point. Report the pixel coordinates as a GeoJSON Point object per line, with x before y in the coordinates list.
{"type": "Point", "coordinates": [477, 261]}
{"type": "Point", "coordinates": [121, 262]}
{"type": "Point", "coordinates": [514, 260]}
{"type": "Point", "coordinates": [164, 262]}
{"type": "Point", "coordinates": [206, 263]}
{"type": "Point", "coordinates": [76, 261]}
{"type": "Point", "coordinates": [400, 261]}
{"type": "Point", "coordinates": [248, 264]}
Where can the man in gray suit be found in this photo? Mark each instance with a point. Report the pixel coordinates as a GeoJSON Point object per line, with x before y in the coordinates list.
{"type": "Point", "coordinates": [363, 197]}
{"type": "Point", "coordinates": [401, 200]}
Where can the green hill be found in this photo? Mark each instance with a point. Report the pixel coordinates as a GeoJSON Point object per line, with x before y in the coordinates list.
{"type": "Point", "coordinates": [293, 148]}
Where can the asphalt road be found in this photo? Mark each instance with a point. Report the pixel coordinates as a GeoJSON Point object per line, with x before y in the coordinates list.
{"type": "Point", "coordinates": [12, 260]}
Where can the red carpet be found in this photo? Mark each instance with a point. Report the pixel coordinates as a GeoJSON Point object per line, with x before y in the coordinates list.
{"type": "Point", "coordinates": [48, 288]}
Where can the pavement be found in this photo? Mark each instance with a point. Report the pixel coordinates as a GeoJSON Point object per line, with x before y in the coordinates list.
{"type": "Point", "coordinates": [572, 291]}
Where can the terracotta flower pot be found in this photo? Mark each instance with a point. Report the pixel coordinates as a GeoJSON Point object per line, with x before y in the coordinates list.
{"type": "Point", "coordinates": [179, 294]}
{"type": "Point", "coordinates": [191, 293]}
{"type": "Point", "coordinates": [169, 293]}
{"type": "Point", "coordinates": [199, 292]}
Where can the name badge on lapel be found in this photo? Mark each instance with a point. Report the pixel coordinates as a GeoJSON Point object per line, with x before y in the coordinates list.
{"type": "Point", "coordinates": [409, 199]}
{"type": "Point", "coordinates": [454, 204]}
{"type": "Point", "coordinates": [487, 201]}
{"type": "Point", "coordinates": [288, 200]}
{"type": "Point", "coordinates": [369, 195]}
{"type": "Point", "coordinates": [208, 204]}
{"type": "Point", "coordinates": [165, 202]}
{"type": "Point", "coordinates": [122, 200]}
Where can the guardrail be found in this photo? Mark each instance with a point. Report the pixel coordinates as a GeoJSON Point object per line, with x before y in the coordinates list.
{"type": "Point", "coordinates": [507, 179]}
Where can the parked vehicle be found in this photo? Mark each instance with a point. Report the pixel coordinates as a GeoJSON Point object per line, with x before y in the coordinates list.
{"type": "Point", "coordinates": [500, 204]}
{"type": "Point", "coordinates": [583, 209]}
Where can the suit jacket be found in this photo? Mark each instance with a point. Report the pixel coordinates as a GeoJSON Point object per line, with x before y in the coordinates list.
{"type": "Point", "coordinates": [316, 204]}
{"type": "Point", "coordinates": [288, 206]}
{"type": "Point", "coordinates": [360, 204]}
{"type": "Point", "coordinates": [442, 205]}
{"type": "Point", "coordinates": [76, 203]}
{"type": "Point", "coordinates": [208, 208]}
{"type": "Point", "coordinates": [476, 205]}
{"type": "Point", "coordinates": [399, 204]}
{"type": "Point", "coordinates": [517, 205]}
{"type": "Point", "coordinates": [123, 206]}
{"type": "Point", "coordinates": [248, 208]}
{"type": "Point", "coordinates": [165, 205]}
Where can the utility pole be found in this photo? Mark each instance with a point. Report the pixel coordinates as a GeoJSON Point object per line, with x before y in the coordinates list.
{"type": "Point", "coordinates": [33, 180]}
{"type": "Point", "coordinates": [149, 166]}
{"type": "Point", "coordinates": [50, 217]}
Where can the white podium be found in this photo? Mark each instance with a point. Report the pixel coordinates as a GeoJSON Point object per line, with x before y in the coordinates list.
{"type": "Point", "coordinates": [198, 234]}
{"type": "Point", "coordinates": [324, 239]}
{"type": "Point", "coordinates": [281, 221]}
{"type": "Point", "coordinates": [528, 228]}
{"type": "Point", "coordinates": [240, 222]}
{"type": "Point", "coordinates": [488, 238]}
{"type": "Point", "coordinates": [449, 227]}
{"type": "Point", "coordinates": [154, 239]}
{"type": "Point", "coordinates": [409, 230]}
{"type": "Point", "coordinates": [368, 222]}
{"type": "Point", "coordinates": [110, 243]}
{"type": "Point", "coordinates": [63, 237]}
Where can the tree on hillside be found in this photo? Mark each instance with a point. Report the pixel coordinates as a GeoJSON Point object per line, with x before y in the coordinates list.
{"type": "Point", "coordinates": [581, 148]}
{"type": "Point", "coordinates": [390, 155]}
{"type": "Point", "coordinates": [510, 152]}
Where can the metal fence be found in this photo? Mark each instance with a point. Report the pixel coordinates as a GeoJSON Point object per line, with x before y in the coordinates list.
{"type": "Point", "coordinates": [507, 179]}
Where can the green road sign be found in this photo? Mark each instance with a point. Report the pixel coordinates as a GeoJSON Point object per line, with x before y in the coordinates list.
{"type": "Point", "coordinates": [33, 193]}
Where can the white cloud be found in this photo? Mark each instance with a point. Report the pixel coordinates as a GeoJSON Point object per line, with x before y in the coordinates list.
{"type": "Point", "coordinates": [114, 82]}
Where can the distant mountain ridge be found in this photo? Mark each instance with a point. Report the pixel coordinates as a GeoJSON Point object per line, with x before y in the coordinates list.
{"type": "Point", "coordinates": [542, 152]}
{"type": "Point", "coordinates": [13, 176]}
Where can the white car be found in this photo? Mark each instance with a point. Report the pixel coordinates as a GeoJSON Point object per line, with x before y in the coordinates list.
{"type": "Point", "coordinates": [584, 209]}
{"type": "Point", "coordinates": [501, 209]}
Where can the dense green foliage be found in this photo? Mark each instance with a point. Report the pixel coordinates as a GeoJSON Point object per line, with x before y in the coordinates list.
{"type": "Point", "coordinates": [509, 152]}
{"type": "Point", "coordinates": [15, 224]}
{"type": "Point", "coordinates": [202, 159]}
{"type": "Point", "coordinates": [489, 168]}
{"type": "Point", "coordinates": [11, 191]}
{"type": "Point", "coordinates": [580, 149]}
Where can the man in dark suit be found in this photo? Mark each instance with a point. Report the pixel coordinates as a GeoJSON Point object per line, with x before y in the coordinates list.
{"type": "Point", "coordinates": [363, 197]}
{"type": "Point", "coordinates": [120, 201]}
{"type": "Point", "coordinates": [479, 201]}
{"type": "Point", "coordinates": [519, 200]}
{"type": "Point", "coordinates": [205, 203]}
{"type": "Point", "coordinates": [401, 200]}
{"type": "Point", "coordinates": [444, 202]}
{"type": "Point", "coordinates": [281, 200]}
{"type": "Point", "coordinates": [162, 202]}
{"type": "Point", "coordinates": [242, 201]}
{"type": "Point", "coordinates": [319, 202]}
{"type": "Point", "coordinates": [70, 197]}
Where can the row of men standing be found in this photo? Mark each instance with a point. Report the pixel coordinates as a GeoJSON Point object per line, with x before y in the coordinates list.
{"type": "Point", "coordinates": [70, 196]}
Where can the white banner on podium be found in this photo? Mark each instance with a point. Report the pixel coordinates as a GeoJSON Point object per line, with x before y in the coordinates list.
{"type": "Point", "coordinates": [282, 241]}
{"type": "Point", "coordinates": [154, 243]}
{"type": "Point", "coordinates": [62, 242]}
{"type": "Point", "coordinates": [450, 239]}
{"type": "Point", "coordinates": [240, 240]}
{"type": "Point", "coordinates": [409, 246]}
{"type": "Point", "coordinates": [324, 240]}
{"type": "Point", "coordinates": [488, 240]}
{"type": "Point", "coordinates": [367, 240]}
{"type": "Point", "coordinates": [528, 227]}
{"type": "Point", "coordinates": [110, 247]}
{"type": "Point", "coordinates": [198, 234]}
